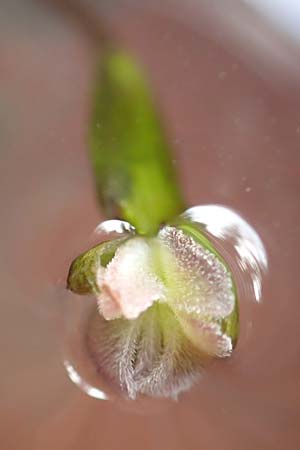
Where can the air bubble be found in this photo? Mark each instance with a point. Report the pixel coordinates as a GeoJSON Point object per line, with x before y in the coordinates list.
{"type": "Point", "coordinates": [238, 243]}
{"type": "Point", "coordinates": [232, 237]}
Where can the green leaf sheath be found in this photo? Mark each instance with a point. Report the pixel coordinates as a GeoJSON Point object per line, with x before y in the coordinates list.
{"type": "Point", "coordinates": [82, 278]}
{"type": "Point", "coordinates": [134, 174]}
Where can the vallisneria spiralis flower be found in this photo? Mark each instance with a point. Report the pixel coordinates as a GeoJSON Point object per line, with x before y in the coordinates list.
{"type": "Point", "coordinates": [166, 298]}
{"type": "Point", "coordinates": [168, 305]}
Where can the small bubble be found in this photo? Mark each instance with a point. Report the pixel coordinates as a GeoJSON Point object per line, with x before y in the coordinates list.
{"type": "Point", "coordinates": [222, 75]}
{"type": "Point", "coordinates": [274, 120]}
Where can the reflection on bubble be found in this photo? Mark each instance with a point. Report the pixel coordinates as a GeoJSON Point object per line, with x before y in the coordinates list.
{"type": "Point", "coordinates": [76, 358]}
{"type": "Point", "coordinates": [239, 244]}
{"type": "Point", "coordinates": [109, 230]}
{"type": "Point", "coordinates": [82, 384]}
{"type": "Point", "coordinates": [114, 226]}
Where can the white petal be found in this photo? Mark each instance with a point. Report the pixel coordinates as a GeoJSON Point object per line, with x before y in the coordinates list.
{"type": "Point", "coordinates": [129, 281]}
{"type": "Point", "coordinates": [108, 306]}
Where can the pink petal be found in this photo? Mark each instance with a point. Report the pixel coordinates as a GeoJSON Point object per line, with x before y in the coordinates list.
{"type": "Point", "coordinates": [129, 285]}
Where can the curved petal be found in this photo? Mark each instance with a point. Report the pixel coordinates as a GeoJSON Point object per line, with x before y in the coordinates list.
{"type": "Point", "coordinates": [207, 336]}
{"type": "Point", "coordinates": [242, 240]}
{"type": "Point", "coordinates": [198, 282]}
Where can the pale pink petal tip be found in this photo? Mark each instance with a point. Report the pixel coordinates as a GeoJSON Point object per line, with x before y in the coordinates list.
{"type": "Point", "coordinates": [128, 286]}
{"type": "Point", "coordinates": [209, 337]}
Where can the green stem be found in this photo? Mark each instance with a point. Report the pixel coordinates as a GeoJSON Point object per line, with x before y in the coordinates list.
{"type": "Point", "coordinates": [135, 178]}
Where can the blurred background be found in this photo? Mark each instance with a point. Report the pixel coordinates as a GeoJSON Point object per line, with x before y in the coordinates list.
{"type": "Point", "coordinates": [226, 75]}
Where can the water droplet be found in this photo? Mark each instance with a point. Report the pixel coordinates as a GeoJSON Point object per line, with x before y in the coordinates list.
{"type": "Point", "coordinates": [108, 228]}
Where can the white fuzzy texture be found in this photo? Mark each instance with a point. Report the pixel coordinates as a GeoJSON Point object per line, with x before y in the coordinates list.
{"type": "Point", "coordinates": [200, 285]}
